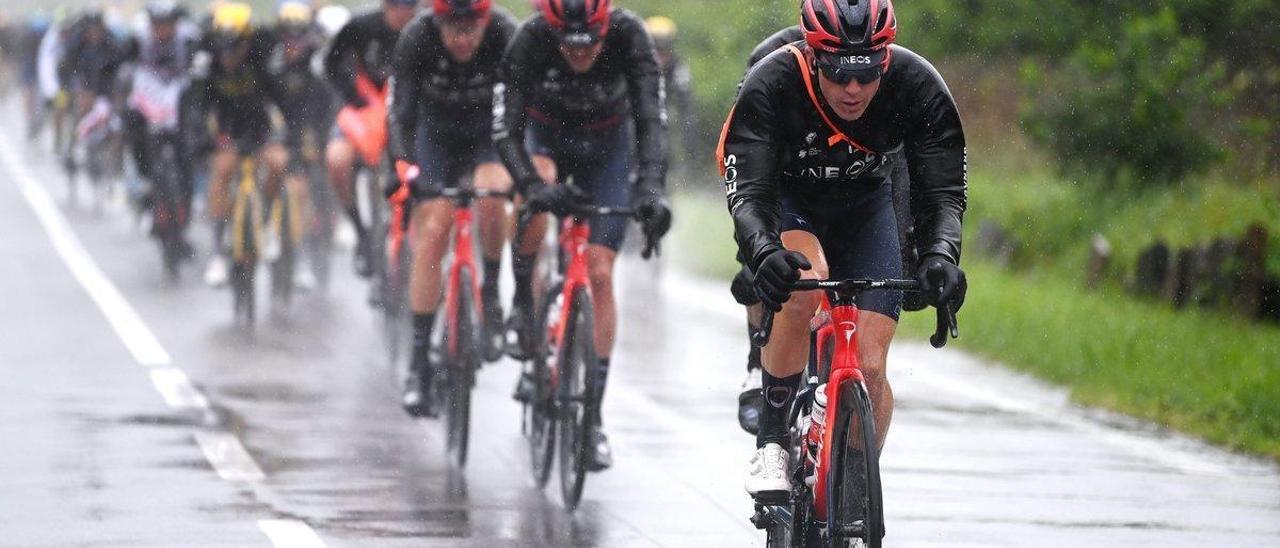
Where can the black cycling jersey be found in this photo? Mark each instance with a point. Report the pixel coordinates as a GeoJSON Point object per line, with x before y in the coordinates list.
{"type": "Point", "coordinates": [427, 80]}
{"type": "Point", "coordinates": [363, 46]}
{"type": "Point", "coordinates": [91, 65]}
{"type": "Point", "coordinates": [776, 141]}
{"type": "Point", "coordinates": [305, 100]}
{"type": "Point", "coordinates": [239, 99]}
{"type": "Point", "coordinates": [772, 43]}
{"type": "Point", "coordinates": [625, 81]}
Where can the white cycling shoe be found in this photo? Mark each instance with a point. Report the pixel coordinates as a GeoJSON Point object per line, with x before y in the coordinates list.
{"type": "Point", "coordinates": [768, 474]}
{"type": "Point", "coordinates": [219, 269]}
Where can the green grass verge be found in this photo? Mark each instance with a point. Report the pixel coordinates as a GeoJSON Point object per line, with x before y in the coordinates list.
{"type": "Point", "coordinates": [1194, 371]}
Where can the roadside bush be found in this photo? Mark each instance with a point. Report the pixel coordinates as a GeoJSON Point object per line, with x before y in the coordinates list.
{"type": "Point", "coordinates": [1124, 108]}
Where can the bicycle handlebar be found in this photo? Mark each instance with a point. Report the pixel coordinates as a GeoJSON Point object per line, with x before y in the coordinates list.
{"type": "Point", "coordinates": [946, 322]}
{"type": "Point", "coordinates": [651, 245]}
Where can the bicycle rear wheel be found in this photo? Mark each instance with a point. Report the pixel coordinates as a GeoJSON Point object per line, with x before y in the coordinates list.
{"type": "Point", "coordinates": [579, 372]}
{"type": "Point", "coordinates": [855, 511]}
{"type": "Point", "coordinates": [462, 369]}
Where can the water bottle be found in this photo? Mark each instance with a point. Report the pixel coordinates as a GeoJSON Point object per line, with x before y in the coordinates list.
{"type": "Point", "coordinates": [814, 433]}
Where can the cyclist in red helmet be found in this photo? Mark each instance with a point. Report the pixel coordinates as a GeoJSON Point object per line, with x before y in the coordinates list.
{"type": "Point", "coordinates": [580, 96]}
{"type": "Point", "coordinates": [806, 157]}
{"type": "Point", "coordinates": [443, 72]}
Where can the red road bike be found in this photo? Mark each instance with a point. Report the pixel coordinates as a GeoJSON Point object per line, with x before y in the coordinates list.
{"type": "Point", "coordinates": [836, 498]}
{"type": "Point", "coordinates": [460, 341]}
{"type": "Point", "coordinates": [564, 365]}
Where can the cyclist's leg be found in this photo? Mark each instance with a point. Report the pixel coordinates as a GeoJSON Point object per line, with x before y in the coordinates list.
{"type": "Point", "coordinates": [340, 160]}
{"type": "Point", "coordinates": [222, 170]}
{"type": "Point", "coordinates": [749, 397]}
{"type": "Point", "coordinates": [866, 245]}
{"type": "Point", "coordinates": [275, 158]}
{"type": "Point", "coordinates": [783, 361]}
{"type": "Point", "coordinates": [491, 216]}
{"type": "Point", "coordinates": [524, 254]}
{"type": "Point", "coordinates": [787, 353]}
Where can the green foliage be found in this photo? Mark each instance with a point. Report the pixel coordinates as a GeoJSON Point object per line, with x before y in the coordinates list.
{"type": "Point", "coordinates": [1124, 106]}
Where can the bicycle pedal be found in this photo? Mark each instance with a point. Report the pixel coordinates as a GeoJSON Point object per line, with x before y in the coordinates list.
{"type": "Point", "coordinates": [772, 498]}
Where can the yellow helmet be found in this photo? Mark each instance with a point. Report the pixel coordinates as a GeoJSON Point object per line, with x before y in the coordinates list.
{"type": "Point", "coordinates": [294, 14]}
{"type": "Point", "coordinates": [663, 30]}
{"type": "Point", "coordinates": [232, 19]}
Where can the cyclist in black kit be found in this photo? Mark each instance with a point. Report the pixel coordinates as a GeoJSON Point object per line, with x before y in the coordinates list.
{"type": "Point", "coordinates": [307, 107]}
{"type": "Point", "coordinates": [233, 85]}
{"type": "Point", "coordinates": [805, 160]}
{"type": "Point", "coordinates": [443, 73]}
{"type": "Point", "coordinates": [363, 48]}
{"type": "Point", "coordinates": [579, 79]}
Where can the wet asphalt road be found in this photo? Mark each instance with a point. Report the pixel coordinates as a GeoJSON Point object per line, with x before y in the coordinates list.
{"type": "Point", "coordinates": [179, 430]}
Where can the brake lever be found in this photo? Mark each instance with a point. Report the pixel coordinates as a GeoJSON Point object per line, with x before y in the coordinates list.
{"type": "Point", "coordinates": [946, 325]}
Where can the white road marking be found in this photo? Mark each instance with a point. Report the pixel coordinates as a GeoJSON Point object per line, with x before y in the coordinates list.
{"type": "Point", "coordinates": [177, 390]}
{"type": "Point", "coordinates": [229, 457]}
{"type": "Point", "coordinates": [286, 533]}
{"type": "Point", "coordinates": [120, 314]}
{"type": "Point", "coordinates": [223, 450]}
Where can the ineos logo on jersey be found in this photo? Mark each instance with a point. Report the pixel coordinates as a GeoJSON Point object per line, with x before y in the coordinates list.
{"type": "Point", "coordinates": [731, 173]}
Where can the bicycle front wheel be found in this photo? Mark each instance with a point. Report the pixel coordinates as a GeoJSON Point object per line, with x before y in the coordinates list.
{"type": "Point", "coordinates": [463, 361]}
{"type": "Point", "coordinates": [579, 372]}
{"type": "Point", "coordinates": [855, 510]}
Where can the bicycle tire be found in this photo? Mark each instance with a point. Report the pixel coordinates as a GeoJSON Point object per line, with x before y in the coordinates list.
{"type": "Point", "coordinates": [282, 267]}
{"type": "Point", "coordinates": [462, 369]}
{"type": "Point", "coordinates": [165, 212]}
{"type": "Point", "coordinates": [540, 411]}
{"type": "Point", "coordinates": [579, 371]}
{"type": "Point", "coordinates": [243, 270]}
{"type": "Point", "coordinates": [853, 483]}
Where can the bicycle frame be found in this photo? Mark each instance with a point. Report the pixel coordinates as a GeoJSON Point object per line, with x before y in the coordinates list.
{"type": "Point", "coordinates": [575, 233]}
{"type": "Point", "coordinates": [246, 201]}
{"type": "Point", "coordinates": [845, 368]}
{"type": "Point", "coordinates": [463, 257]}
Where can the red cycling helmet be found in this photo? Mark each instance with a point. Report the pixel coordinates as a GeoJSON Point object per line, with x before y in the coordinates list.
{"type": "Point", "coordinates": [578, 22]}
{"type": "Point", "coordinates": [850, 35]}
{"type": "Point", "coordinates": [462, 9]}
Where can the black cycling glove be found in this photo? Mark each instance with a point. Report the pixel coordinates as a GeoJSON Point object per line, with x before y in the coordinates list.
{"type": "Point", "coordinates": [555, 199]}
{"type": "Point", "coordinates": [774, 277]}
{"type": "Point", "coordinates": [941, 281]}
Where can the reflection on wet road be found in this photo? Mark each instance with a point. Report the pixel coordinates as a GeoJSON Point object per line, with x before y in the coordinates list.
{"type": "Point", "coordinates": [94, 456]}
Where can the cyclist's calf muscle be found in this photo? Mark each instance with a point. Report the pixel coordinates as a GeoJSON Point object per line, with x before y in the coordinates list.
{"type": "Point", "coordinates": [432, 221]}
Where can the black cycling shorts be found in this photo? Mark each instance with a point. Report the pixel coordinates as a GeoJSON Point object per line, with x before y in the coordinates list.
{"type": "Point", "coordinates": [859, 236]}
{"type": "Point", "coordinates": [599, 159]}
{"type": "Point", "coordinates": [447, 150]}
